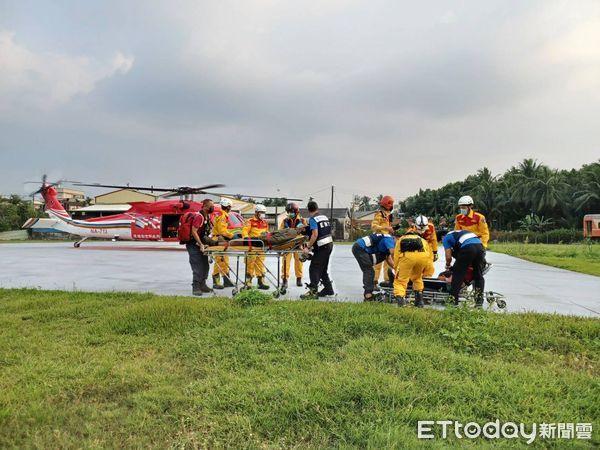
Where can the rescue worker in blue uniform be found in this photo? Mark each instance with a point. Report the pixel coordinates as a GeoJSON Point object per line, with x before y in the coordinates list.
{"type": "Point", "coordinates": [370, 251]}
{"type": "Point", "coordinates": [321, 243]}
{"type": "Point", "coordinates": [467, 249]}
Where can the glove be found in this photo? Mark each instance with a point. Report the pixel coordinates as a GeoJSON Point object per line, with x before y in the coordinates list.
{"type": "Point", "coordinates": [435, 256]}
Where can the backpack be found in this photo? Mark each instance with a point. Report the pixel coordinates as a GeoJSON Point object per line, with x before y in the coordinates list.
{"type": "Point", "coordinates": [411, 244]}
{"type": "Point", "coordinates": [184, 232]}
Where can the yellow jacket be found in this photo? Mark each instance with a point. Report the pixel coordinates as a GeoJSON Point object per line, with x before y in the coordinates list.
{"type": "Point", "coordinates": [412, 236]}
{"type": "Point", "coordinates": [474, 222]}
{"type": "Point", "coordinates": [254, 227]}
{"type": "Point", "coordinates": [430, 236]}
{"type": "Point", "coordinates": [381, 222]}
{"type": "Point", "coordinates": [221, 226]}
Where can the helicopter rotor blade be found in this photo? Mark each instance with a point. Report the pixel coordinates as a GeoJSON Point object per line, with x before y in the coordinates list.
{"type": "Point", "coordinates": [256, 196]}
{"type": "Point", "coordinates": [181, 190]}
{"type": "Point", "coordinates": [123, 186]}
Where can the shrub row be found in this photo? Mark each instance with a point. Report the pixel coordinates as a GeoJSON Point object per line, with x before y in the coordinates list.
{"type": "Point", "coordinates": [558, 236]}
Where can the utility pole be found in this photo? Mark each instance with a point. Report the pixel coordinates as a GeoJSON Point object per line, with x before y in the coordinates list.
{"type": "Point", "coordinates": [333, 223]}
{"type": "Point", "coordinates": [331, 204]}
{"type": "Point", "coordinates": [352, 218]}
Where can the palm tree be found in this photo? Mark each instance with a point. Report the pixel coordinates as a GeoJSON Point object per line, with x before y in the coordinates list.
{"type": "Point", "coordinates": [522, 177]}
{"type": "Point", "coordinates": [547, 190]}
{"type": "Point", "coordinates": [589, 194]}
{"type": "Point", "coordinates": [365, 203]}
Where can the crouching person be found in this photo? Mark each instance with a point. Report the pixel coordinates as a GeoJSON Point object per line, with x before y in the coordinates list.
{"type": "Point", "coordinates": [411, 258]}
{"type": "Point", "coordinates": [468, 250]}
{"type": "Point", "coordinates": [370, 251]}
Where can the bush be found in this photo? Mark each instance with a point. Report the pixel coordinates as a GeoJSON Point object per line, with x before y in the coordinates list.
{"type": "Point", "coordinates": [252, 297]}
{"type": "Point", "coordinates": [558, 236]}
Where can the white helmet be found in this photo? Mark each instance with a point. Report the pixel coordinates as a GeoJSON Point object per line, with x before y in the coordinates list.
{"type": "Point", "coordinates": [465, 200]}
{"type": "Point", "coordinates": [421, 223]}
{"type": "Point", "coordinates": [225, 202]}
{"type": "Point", "coordinates": [260, 209]}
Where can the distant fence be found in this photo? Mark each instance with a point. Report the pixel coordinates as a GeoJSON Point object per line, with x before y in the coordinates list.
{"type": "Point", "coordinates": [13, 235]}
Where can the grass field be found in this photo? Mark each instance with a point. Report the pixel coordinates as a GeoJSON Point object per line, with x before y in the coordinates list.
{"type": "Point", "coordinates": [82, 370]}
{"type": "Point", "coordinates": [584, 258]}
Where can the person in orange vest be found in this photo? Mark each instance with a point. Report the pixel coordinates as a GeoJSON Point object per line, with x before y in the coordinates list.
{"type": "Point", "coordinates": [426, 230]}
{"type": "Point", "coordinates": [255, 265]}
{"type": "Point", "coordinates": [472, 221]}
{"type": "Point", "coordinates": [222, 228]}
{"type": "Point", "coordinates": [382, 223]}
{"type": "Point", "coordinates": [295, 221]}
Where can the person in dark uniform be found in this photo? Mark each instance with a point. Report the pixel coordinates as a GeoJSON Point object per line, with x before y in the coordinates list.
{"type": "Point", "coordinates": [321, 242]}
{"type": "Point", "coordinates": [468, 251]}
{"type": "Point", "coordinates": [370, 251]}
{"type": "Point", "coordinates": [201, 236]}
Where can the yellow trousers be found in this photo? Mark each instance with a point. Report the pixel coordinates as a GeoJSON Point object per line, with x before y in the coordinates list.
{"type": "Point", "coordinates": [410, 267]}
{"type": "Point", "coordinates": [221, 266]}
{"type": "Point", "coordinates": [255, 264]}
{"type": "Point", "coordinates": [429, 270]}
{"type": "Point", "coordinates": [287, 262]}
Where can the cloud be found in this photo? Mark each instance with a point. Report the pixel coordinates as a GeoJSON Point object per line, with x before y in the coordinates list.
{"type": "Point", "coordinates": [43, 80]}
{"type": "Point", "coordinates": [372, 96]}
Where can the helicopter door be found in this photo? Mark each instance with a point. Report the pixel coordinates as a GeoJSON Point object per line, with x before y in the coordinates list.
{"type": "Point", "coordinates": [169, 226]}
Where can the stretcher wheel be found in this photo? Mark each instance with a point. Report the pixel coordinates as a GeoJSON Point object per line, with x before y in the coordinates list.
{"type": "Point", "coordinates": [501, 303]}
{"type": "Point", "coordinates": [76, 245]}
{"type": "Point", "coordinates": [276, 294]}
{"type": "Point", "coordinates": [235, 291]}
{"type": "Point", "coordinates": [283, 291]}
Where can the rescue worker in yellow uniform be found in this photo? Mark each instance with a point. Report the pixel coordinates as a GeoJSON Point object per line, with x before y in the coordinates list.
{"type": "Point", "coordinates": [411, 258]}
{"type": "Point", "coordinates": [382, 224]}
{"type": "Point", "coordinates": [426, 230]}
{"type": "Point", "coordinates": [295, 221]}
{"type": "Point", "coordinates": [471, 221]}
{"type": "Point", "coordinates": [255, 262]}
{"type": "Point", "coordinates": [221, 228]}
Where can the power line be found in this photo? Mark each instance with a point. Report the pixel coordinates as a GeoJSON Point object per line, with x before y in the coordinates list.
{"type": "Point", "coordinates": [316, 192]}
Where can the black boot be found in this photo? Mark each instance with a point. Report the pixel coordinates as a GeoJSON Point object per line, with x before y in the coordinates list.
{"type": "Point", "coordinates": [284, 284]}
{"type": "Point", "coordinates": [227, 282]}
{"type": "Point", "coordinates": [204, 287]}
{"type": "Point", "coordinates": [248, 283]}
{"type": "Point", "coordinates": [327, 290]}
{"type": "Point", "coordinates": [400, 301]}
{"type": "Point", "coordinates": [419, 299]}
{"type": "Point", "coordinates": [479, 299]}
{"type": "Point", "coordinates": [196, 289]}
{"type": "Point", "coordinates": [299, 281]}
{"type": "Point", "coordinates": [261, 284]}
{"type": "Point", "coordinates": [216, 284]}
{"type": "Point", "coordinates": [386, 284]}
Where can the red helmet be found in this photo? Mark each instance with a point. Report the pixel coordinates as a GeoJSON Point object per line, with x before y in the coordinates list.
{"type": "Point", "coordinates": [387, 202]}
{"type": "Point", "coordinates": [292, 207]}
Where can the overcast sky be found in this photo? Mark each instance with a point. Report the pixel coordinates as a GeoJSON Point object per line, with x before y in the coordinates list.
{"type": "Point", "coordinates": [370, 96]}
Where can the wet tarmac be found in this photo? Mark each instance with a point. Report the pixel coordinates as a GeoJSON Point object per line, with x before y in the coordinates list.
{"type": "Point", "coordinates": [163, 269]}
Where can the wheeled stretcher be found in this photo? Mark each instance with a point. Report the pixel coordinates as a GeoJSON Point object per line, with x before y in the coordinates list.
{"type": "Point", "coordinates": [244, 248]}
{"type": "Point", "coordinates": [437, 292]}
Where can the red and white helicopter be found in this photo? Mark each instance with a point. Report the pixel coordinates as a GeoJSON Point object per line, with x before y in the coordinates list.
{"type": "Point", "coordinates": [144, 221]}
